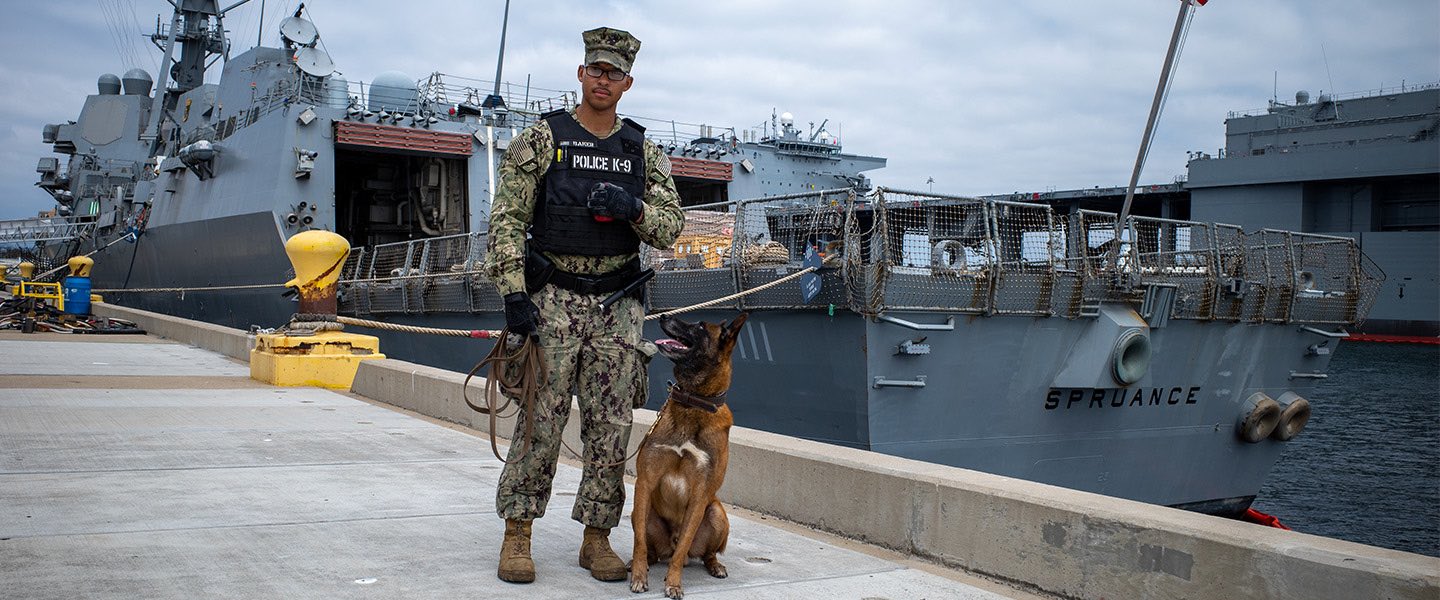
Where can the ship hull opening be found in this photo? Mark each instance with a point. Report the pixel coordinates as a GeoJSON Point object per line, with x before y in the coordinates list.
{"type": "Point", "coordinates": [384, 197]}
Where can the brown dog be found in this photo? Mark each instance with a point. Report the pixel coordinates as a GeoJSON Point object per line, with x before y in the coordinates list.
{"type": "Point", "coordinates": [681, 463]}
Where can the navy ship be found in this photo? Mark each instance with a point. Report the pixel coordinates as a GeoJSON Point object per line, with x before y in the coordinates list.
{"type": "Point", "coordinates": [1150, 357]}
{"type": "Point", "coordinates": [1362, 165]}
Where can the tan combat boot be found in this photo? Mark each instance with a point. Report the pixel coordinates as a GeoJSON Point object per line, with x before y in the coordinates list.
{"type": "Point", "coordinates": [596, 555]}
{"type": "Point", "coordinates": [515, 563]}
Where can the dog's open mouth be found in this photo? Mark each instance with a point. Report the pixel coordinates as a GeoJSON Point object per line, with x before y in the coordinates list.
{"type": "Point", "coordinates": [684, 339]}
{"type": "Point", "coordinates": [672, 349]}
{"type": "Point", "coordinates": [672, 345]}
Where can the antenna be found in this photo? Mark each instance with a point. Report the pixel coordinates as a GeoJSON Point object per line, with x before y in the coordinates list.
{"type": "Point", "coordinates": [1330, 79]}
{"type": "Point", "coordinates": [1275, 88]}
{"type": "Point", "coordinates": [260, 30]}
{"type": "Point", "coordinates": [495, 100]}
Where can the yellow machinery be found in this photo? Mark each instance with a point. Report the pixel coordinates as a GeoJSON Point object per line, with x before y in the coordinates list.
{"type": "Point", "coordinates": [45, 291]}
{"type": "Point", "coordinates": [39, 289]}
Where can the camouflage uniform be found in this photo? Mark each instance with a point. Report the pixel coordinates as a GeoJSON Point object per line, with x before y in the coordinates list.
{"type": "Point", "coordinates": [594, 352]}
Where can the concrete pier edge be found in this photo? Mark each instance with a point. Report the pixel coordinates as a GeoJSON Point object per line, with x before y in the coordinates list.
{"type": "Point", "coordinates": [1049, 539]}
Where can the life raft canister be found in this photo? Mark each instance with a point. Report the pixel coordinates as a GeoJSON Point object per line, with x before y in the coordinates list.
{"type": "Point", "coordinates": [1258, 417]}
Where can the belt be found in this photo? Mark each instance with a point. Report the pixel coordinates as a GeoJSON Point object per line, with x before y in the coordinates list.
{"type": "Point", "coordinates": [597, 284]}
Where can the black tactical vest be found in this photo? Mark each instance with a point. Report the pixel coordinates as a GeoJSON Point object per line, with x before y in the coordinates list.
{"type": "Point", "coordinates": [562, 223]}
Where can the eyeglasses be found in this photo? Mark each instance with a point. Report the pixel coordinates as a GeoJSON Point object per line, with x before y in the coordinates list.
{"type": "Point", "coordinates": [612, 75]}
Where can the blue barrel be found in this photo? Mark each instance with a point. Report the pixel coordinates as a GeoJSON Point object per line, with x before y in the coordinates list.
{"type": "Point", "coordinates": [77, 295]}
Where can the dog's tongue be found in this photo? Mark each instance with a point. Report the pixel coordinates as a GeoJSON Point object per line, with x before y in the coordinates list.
{"type": "Point", "coordinates": [671, 344]}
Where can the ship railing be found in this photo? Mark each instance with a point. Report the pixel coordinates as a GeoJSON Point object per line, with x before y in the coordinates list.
{"type": "Point", "coordinates": [1322, 279]}
{"type": "Point", "coordinates": [668, 132]}
{"type": "Point", "coordinates": [438, 274]}
{"type": "Point", "coordinates": [897, 250]}
{"type": "Point", "coordinates": [279, 95]}
{"type": "Point", "coordinates": [1380, 91]}
{"type": "Point", "coordinates": [996, 257]}
{"type": "Point", "coordinates": [434, 96]}
{"type": "Point", "coordinates": [726, 247]}
{"type": "Point", "coordinates": [443, 89]}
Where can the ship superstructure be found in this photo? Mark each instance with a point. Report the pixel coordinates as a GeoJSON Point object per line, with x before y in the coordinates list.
{"type": "Point", "coordinates": [1365, 166]}
{"type": "Point", "coordinates": [226, 171]}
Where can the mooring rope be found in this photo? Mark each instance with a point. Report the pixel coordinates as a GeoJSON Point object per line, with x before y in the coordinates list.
{"type": "Point", "coordinates": [182, 290]}
{"type": "Point", "coordinates": [734, 296]}
{"type": "Point", "coordinates": [254, 286]}
{"type": "Point", "coordinates": [465, 333]}
{"type": "Point", "coordinates": [42, 276]}
{"type": "Point", "coordinates": [495, 333]}
{"type": "Point", "coordinates": [483, 334]}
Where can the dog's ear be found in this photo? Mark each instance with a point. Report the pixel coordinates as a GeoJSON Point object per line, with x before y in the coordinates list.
{"type": "Point", "coordinates": [732, 328]}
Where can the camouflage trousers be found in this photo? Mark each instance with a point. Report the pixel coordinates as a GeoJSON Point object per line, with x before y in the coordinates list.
{"type": "Point", "coordinates": [595, 354]}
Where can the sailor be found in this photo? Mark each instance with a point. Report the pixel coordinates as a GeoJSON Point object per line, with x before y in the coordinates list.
{"type": "Point", "coordinates": [588, 189]}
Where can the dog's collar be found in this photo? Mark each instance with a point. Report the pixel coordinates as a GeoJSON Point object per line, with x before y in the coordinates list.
{"type": "Point", "coordinates": [705, 403]}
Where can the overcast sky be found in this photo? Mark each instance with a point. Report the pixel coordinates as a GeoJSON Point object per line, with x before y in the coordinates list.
{"type": "Point", "coordinates": [985, 97]}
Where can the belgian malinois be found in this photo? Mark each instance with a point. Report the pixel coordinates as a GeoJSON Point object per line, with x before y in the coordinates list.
{"type": "Point", "coordinates": [681, 463]}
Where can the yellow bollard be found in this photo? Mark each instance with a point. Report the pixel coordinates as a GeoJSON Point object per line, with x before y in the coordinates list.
{"type": "Point", "coordinates": [317, 257]}
{"type": "Point", "coordinates": [27, 270]}
{"type": "Point", "coordinates": [326, 358]}
{"type": "Point", "coordinates": [80, 266]}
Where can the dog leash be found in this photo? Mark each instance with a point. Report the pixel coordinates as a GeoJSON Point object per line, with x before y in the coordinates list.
{"type": "Point", "coordinates": [522, 383]}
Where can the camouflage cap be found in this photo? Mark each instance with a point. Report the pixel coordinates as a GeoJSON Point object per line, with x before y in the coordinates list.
{"type": "Point", "coordinates": [611, 46]}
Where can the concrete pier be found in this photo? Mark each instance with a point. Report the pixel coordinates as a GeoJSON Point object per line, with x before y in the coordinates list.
{"type": "Point", "coordinates": [168, 483]}
{"type": "Point", "coordinates": [135, 467]}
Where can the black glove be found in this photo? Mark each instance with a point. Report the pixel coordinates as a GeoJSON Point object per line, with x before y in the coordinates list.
{"type": "Point", "coordinates": [610, 200]}
{"type": "Point", "coordinates": [521, 315]}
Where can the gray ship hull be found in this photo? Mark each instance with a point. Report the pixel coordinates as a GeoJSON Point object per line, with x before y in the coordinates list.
{"type": "Point", "coordinates": [984, 401]}
{"type": "Point", "coordinates": [230, 251]}
{"type": "Point", "coordinates": [983, 407]}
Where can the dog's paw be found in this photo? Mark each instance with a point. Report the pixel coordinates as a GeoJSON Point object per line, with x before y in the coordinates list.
{"type": "Point", "coordinates": [674, 591]}
{"type": "Point", "coordinates": [716, 570]}
{"type": "Point", "coordinates": [638, 584]}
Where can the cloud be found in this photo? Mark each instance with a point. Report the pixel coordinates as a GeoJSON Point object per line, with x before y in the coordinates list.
{"type": "Point", "coordinates": [986, 97]}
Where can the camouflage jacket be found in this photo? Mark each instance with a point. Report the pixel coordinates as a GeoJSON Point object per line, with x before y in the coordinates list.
{"type": "Point", "coordinates": [521, 171]}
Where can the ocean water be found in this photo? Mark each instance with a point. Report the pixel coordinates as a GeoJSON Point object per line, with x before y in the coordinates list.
{"type": "Point", "coordinates": [1367, 467]}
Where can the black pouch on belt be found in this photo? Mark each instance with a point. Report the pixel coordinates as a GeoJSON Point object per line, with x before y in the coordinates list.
{"type": "Point", "coordinates": [538, 270]}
